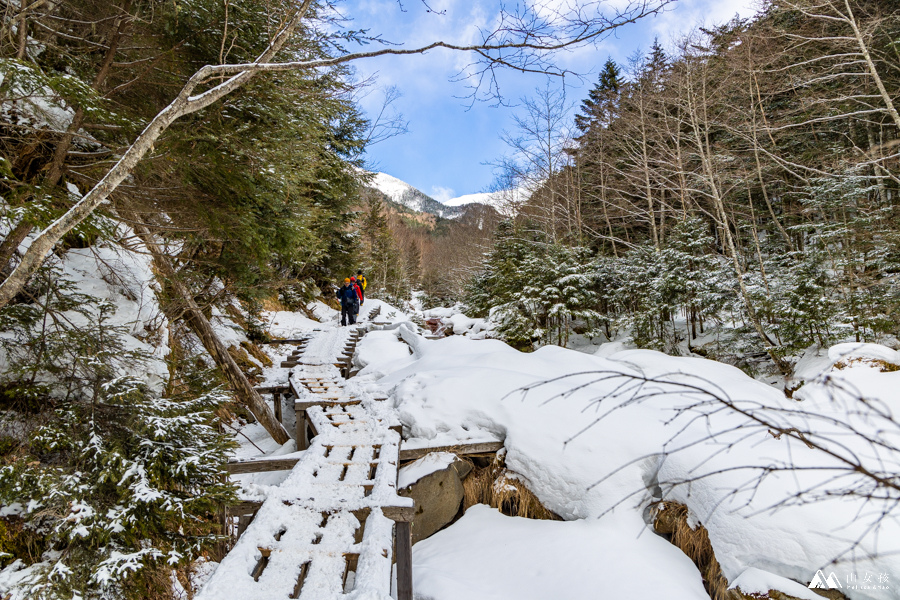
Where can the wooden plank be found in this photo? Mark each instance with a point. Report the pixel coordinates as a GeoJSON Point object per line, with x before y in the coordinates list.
{"type": "Point", "coordinates": [305, 404]}
{"type": "Point", "coordinates": [302, 439]}
{"type": "Point", "coordinates": [262, 465]}
{"type": "Point", "coordinates": [289, 341]}
{"type": "Point", "coordinates": [459, 449]}
{"type": "Point", "coordinates": [271, 389]}
{"type": "Point", "coordinates": [404, 560]}
{"type": "Point", "coordinates": [399, 514]}
{"type": "Point", "coordinates": [247, 507]}
{"type": "Point", "coordinates": [293, 384]}
{"type": "Point", "coordinates": [244, 522]}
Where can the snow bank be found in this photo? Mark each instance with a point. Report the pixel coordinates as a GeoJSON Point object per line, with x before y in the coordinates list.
{"type": "Point", "coordinates": [817, 361]}
{"type": "Point", "coordinates": [597, 437]}
{"type": "Point", "coordinates": [489, 556]}
{"type": "Point", "coordinates": [452, 319]}
{"type": "Point", "coordinates": [863, 352]}
{"type": "Point", "coordinates": [759, 582]}
{"type": "Point", "coordinates": [380, 352]}
{"type": "Point", "coordinates": [288, 325]}
{"type": "Point", "coordinates": [123, 277]}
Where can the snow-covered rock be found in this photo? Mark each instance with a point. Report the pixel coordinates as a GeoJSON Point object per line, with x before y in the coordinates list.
{"type": "Point", "coordinates": [851, 352]}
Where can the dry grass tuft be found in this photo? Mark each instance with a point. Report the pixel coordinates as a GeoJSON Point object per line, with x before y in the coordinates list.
{"type": "Point", "coordinates": [273, 304]}
{"type": "Point", "coordinates": [672, 521]}
{"type": "Point", "coordinates": [250, 369]}
{"type": "Point", "coordinates": [876, 363]}
{"type": "Point", "coordinates": [499, 488]}
{"type": "Point", "coordinates": [257, 353]}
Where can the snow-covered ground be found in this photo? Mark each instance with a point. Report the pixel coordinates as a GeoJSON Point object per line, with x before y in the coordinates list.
{"type": "Point", "coordinates": [601, 435]}
{"type": "Point", "coordinates": [598, 443]}
{"type": "Point", "coordinates": [489, 556]}
{"type": "Point", "coordinates": [121, 277]}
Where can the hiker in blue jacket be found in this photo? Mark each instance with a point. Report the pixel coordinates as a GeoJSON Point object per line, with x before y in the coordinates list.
{"type": "Point", "coordinates": [349, 302]}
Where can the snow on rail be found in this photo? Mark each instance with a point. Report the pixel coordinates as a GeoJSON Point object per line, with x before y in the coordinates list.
{"type": "Point", "coordinates": [327, 531]}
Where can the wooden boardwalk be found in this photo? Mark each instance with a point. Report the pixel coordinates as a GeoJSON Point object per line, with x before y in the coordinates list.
{"type": "Point", "coordinates": [332, 527]}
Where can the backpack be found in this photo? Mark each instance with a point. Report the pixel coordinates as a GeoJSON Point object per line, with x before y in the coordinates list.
{"type": "Point", "coordinates": [347, 295]}
{"type": "Point", "coordinates": [362, 281]}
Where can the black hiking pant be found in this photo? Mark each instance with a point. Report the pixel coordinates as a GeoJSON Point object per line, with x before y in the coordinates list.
{"type": "Point", "coordinates": [349, 313]}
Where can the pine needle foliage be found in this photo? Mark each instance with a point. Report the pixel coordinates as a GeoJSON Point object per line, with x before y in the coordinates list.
{"type": "Point", "coordinates": [102, 480]}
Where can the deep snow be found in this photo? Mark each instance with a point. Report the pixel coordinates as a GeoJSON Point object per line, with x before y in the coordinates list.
{"type": "Point", "coordinates": [593, 446]}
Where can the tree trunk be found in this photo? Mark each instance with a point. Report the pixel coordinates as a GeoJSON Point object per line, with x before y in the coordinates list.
{"type": "Point", "coordinates": [198, 323]}
{"type": "Point", "coordinates": [23, 30]}
{"type": "Point", "coordinates": [11, 243]}
{"type": "Point", "coordinates": [646, 165]}
{"type": "Point", "coordinates": [759, 171]}
{"type": "Point", "coordinates": [697, 112]}
{"type": "Point", "coordinates": [870, 64]}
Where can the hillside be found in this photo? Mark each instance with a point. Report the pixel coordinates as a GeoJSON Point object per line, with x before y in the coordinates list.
{"type": "Point", "coordinates": [406, 195]}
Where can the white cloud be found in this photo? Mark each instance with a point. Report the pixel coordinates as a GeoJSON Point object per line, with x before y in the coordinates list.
{"type": "Point", "coordinates": [441, 194]}
{"type": "Point", "coordinates": [689, 14]}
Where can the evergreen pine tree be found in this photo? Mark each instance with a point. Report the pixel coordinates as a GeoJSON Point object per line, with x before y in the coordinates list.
{"type": "Point", "coordinates": [599, 107]}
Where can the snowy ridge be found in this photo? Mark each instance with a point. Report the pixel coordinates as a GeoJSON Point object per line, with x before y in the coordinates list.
{"type": "Point", "coordinates": [488, 198]}
{"type": "Point", "coordinates": [501, 200]}
{"type": "Point", "coordinates": [406, 195]}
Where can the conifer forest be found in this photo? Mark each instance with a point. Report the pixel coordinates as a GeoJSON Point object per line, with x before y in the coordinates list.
{"type": "Point", "coordinates": [703, 237]}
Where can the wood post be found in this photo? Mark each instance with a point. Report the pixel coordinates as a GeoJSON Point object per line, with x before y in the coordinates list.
{"type": "Point", "coordinates": [277, 397]}
{"type": "Point", "coordinates": [243, 523]}
{"type": "Point", "coordinates": [404, 560]}
{"type": "Point", "coordinates": [302, 439]}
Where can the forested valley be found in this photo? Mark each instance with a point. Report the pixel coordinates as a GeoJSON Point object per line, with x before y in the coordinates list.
{"type": "Point", "coordinates": [733, 194]}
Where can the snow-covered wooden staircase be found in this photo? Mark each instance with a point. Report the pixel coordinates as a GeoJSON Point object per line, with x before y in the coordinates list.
{"type": "Point", "coordinates": [329, 529]}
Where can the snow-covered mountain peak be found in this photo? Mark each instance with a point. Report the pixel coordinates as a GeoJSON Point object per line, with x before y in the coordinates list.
{"type": "Point", "coordinates": [392, 187]}
{"type": "Point", "coordinates": [402, 193]}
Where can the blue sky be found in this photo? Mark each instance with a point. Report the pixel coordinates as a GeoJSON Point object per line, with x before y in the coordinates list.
{"type": "Point", "coordinates": [450, 139]}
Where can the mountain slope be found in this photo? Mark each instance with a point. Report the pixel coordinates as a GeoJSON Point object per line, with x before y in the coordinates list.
{"type": "Point", "coordinates": [406, 195]}
{"type": "Point", "coordinates": [498, 200]}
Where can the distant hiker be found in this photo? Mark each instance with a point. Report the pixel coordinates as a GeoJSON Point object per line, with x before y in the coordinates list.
{"type": "Point", "coordinates": [360, 297]}
{"type": "Point", "coordinates": [361, 283]}
{"type": "Point", "coordinates": [349, 302]}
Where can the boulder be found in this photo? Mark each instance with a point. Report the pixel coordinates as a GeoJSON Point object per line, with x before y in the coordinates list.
{"type": "Point", "coordinates": [756, 584]}
{"type": "Point", "coordinates": [438, 496]}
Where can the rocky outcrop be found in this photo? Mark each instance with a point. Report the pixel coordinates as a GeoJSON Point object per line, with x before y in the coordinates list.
{"type": "Point", "coordinates": [438, 497]}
